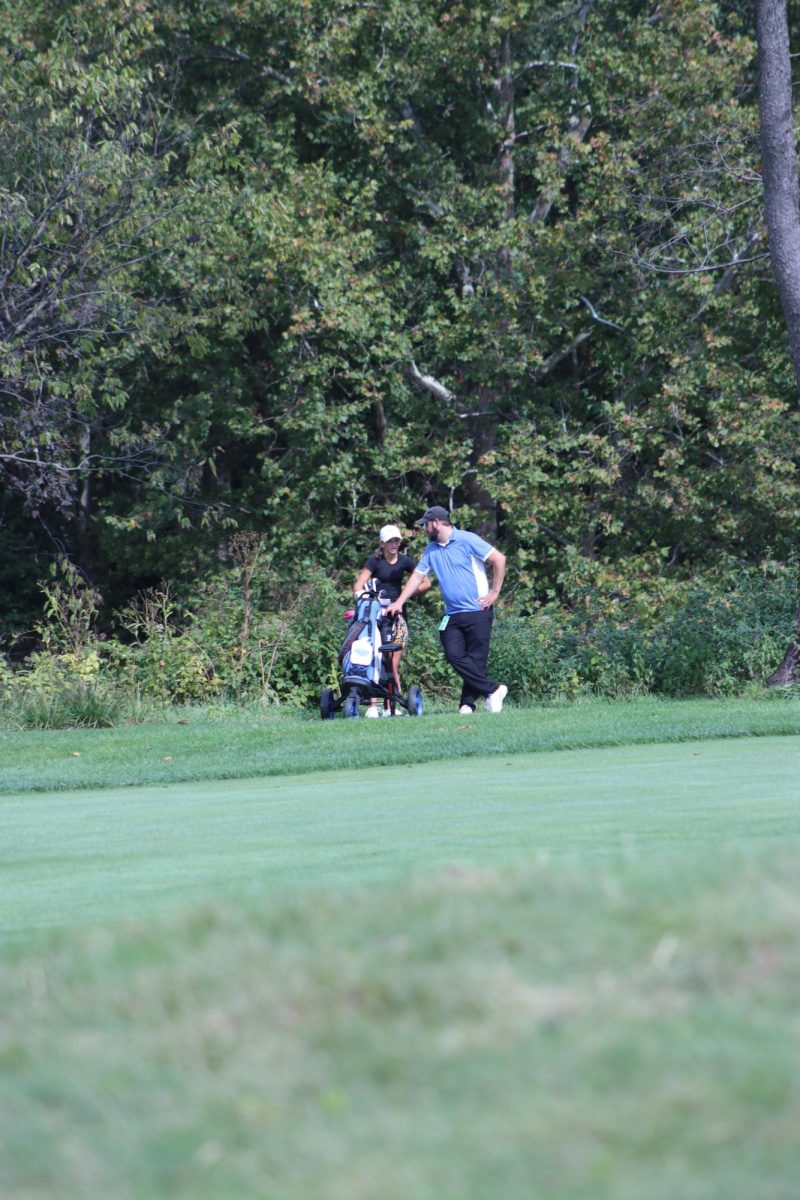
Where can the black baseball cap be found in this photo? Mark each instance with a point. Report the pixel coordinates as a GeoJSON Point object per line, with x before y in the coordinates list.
{"type": "Point", "coordinates": [437, 513]}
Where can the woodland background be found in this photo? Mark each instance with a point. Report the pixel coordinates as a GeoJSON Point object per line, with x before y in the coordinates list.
{"type": "Point", "coordinates": [276, 272]}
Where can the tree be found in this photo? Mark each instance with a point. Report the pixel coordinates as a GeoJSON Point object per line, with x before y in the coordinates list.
{"type": "Point", "coordinates": [503, 254]}
{"type": "Point", "coordinates": [779, 162]}
{"type": "Point", "coordinates": [82, 202]}
{"type": "Point", "coordinates": [781, 203]}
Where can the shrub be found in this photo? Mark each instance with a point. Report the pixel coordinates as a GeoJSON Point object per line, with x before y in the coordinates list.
{"type": "Point", "coordinates": [527, 654]}
{"type": "Point", "coordinates": [246, 636]}
{"type": "Point", "coordinates": [67, 683]}
{"type": "Point", "coordinates": [71, 606]}
{"type": "Point", "coordinates": [163, 662]}
{"type": "Point", "coordinates": [69, 705]}
{"type": "Point", "coordinates": [307, 633]}
{"type": "Point", "coordinates": [726, 633]}
{"type": "Point", "coordinates": [423, 662]}
{"type": "Point", "coordinates": [63, 691]}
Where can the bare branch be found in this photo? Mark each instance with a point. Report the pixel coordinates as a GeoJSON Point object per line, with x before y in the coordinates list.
{"type": "Point", "coordinates": [540, 64]}
{"type": "Point", "coordinates": [430, 384]}
{"type": "Point", "coordinates": [703, 269]}
{"type": "Point", "coordinates": [271, 73]}
{"type": "Point", "coordinates": [601, 320]}
{"type": "Point", "coordinates": [552, 362]}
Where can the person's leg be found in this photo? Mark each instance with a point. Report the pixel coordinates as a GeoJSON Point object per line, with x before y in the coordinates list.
{"type": "Point", "coordinates": [400, 635]}
{"type": "Point", "coordinates": [454, 644]}
{"type": "Point", "coordinates": [480, 650]}
{"type": "Point", "coordinates": [465, 641]}
{"type": "Point", "coordinates": [469, 694]}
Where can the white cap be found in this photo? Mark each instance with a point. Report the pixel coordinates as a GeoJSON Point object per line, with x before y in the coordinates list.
{"type": "Point", "coordinates": [390, 531]}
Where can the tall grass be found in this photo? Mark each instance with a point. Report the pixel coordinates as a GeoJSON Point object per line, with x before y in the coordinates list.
{"type": "Point", "coordinates": [75, 705]}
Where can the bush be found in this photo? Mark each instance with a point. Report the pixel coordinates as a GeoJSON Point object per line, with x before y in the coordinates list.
{"type": "Point", "coordinates": [423, 662]}
{"type": "Point", "coordinates": [725, 635]}
{"type": "Point", "coordinates": [527, 654]}
{"type": "Point", "coordinates": [245, 636]}
{"type": "Point", "coordinates": [163, 662]}
{"type": "Point", "coordinates": [267, 641]}
{"type": "Point", "coordinates": [307, 634]}
{"type": "Point", "coordinates": [709, 636]}
{"type": "Point", "coordinates": [63, 691]}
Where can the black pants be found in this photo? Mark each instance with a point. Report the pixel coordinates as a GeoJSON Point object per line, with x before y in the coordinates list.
{"type": "Point", "coordinates": [465, 641]}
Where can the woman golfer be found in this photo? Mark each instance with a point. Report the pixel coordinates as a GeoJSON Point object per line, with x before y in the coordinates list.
{"type": "Point", "coordinates": [389, 568]}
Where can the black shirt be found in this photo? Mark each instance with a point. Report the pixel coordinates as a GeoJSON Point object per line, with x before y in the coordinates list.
{"type": "Point", "coordinates": [390, 575]}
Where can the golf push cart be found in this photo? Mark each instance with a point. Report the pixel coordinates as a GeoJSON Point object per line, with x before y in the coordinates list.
{"type": "Point", "coordinates": [366, 669]}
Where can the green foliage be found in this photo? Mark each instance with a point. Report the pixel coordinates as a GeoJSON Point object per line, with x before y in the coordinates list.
{"type": "Point", "coordinates": [423, 662]}
{"type": "Point", "coordinates": [527, 655]}
{"type": "Point", "coordinates": [68, 623]}
{"type": "Point", "coordinates": [64, 691]}
{"type": "Point", "coordinates": [712, 636]}
{"type": "Point", "coordinates": [242, 237]}
{"type": "Point", "coordinates": [312, 630]}
{"type": "Point", "coordinates": [65, 684]}
{"type": "Point", "coordinates": [268, 641]}
{"type": "Point", "coordinates": [721, 638]}
{"type": "Point", "coordinates": [246, 637]}
{"type": "Point", "coordinates": [162, 661]}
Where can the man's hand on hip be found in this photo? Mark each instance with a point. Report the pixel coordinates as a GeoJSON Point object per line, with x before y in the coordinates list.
{"type": "Point", "coordinates": [488, 600]}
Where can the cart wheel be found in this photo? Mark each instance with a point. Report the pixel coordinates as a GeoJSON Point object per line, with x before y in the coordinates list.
{"type": "Point", "coordinates": [327, 704]}
{"type": "Point", "coordinates": [351, 707]}
{"type": "Point", "coordinates": [414, 701]}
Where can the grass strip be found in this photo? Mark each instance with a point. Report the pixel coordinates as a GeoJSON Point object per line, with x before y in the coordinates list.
{"type": "Point", "coordinates": [196, 744]}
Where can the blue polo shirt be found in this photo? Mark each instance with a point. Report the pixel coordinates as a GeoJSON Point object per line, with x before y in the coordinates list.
{"type": "Point", "coordinates": [458, 567]}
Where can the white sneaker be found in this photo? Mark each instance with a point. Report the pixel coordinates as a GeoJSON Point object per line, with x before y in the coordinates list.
{"type": "Point", "coordinates": [373, 711]}
{"type": "Point", "coordinates": [494, 701]}
{"type": "Point", "coordinates": [466, 710]}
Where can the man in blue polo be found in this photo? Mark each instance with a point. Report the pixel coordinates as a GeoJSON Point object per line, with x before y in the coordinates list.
{"type": "Point", "coordinates": [458, 560]}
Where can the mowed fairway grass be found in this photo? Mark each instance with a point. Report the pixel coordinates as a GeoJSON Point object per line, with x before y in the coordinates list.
{"type": "Point", "coordinates": [564, 974]}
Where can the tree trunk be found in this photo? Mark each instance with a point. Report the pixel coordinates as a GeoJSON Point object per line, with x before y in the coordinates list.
{"type": "Point", "coordinates": [781, 204]}
{"type": "Point", "coordinates": [779, 163]}
{"type": "Point", "coordinates": [789, 670]}
{"type": "Point", "coordinates": [508, 126]}
{"type": "Point", "coordinates": [84, 495]}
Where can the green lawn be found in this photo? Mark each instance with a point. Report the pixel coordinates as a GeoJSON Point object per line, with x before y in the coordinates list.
{"type": "Point", "coordinates": [562, 974]}
{"type": "Point", "coordinates": [72, 856]}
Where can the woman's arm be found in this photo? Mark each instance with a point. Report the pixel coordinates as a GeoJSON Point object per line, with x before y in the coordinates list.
{"type": "Point", "coordinates": [361, 581]}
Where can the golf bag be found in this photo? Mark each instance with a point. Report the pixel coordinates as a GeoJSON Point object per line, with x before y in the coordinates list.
{"type": "Point", "coordinates": [365, 660]}
{"type": "Point", "coordinates": [360, 657]}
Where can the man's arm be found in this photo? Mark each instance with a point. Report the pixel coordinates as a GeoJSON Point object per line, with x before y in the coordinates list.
{"type": "Point", "coordinates": [497, 562]}
{"type": "Point", "coordinates": [415, 581]}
